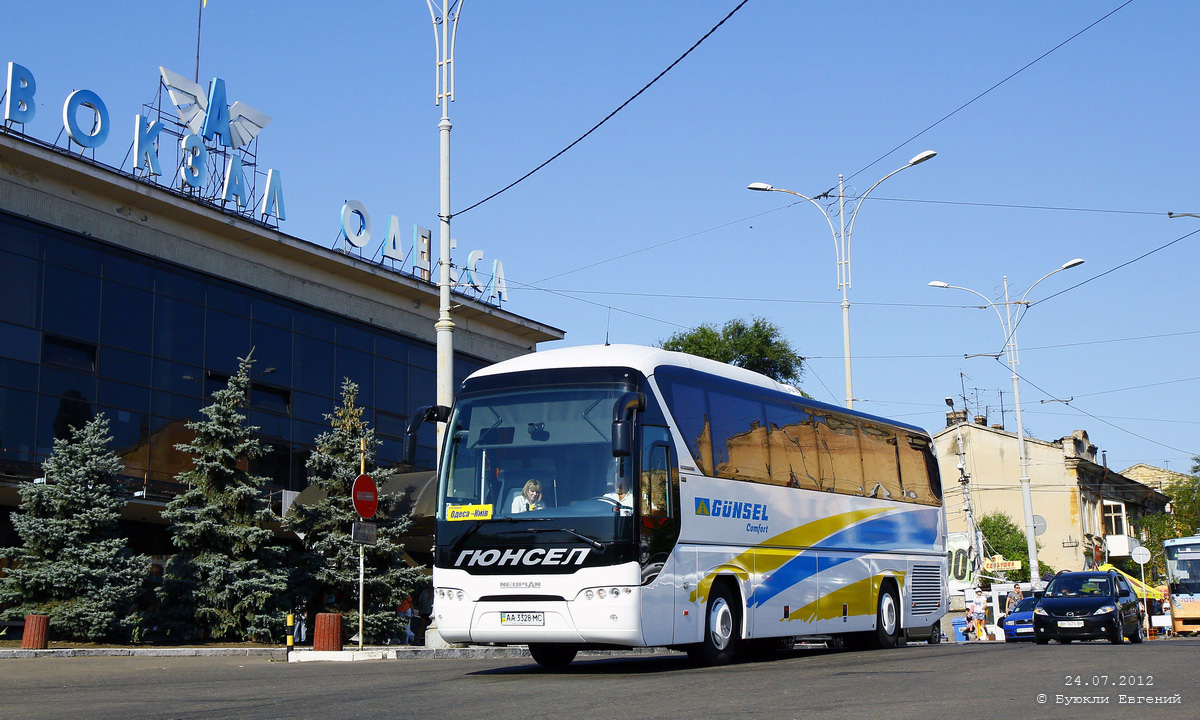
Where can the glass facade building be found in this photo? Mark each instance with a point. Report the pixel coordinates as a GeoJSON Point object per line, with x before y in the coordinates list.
{"type": "Point", "coordinates": [88, 327]}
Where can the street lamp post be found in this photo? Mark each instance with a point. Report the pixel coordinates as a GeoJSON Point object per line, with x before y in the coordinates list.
{"type": "Point", "coordinates": [1009, 325]}
{"type": "Point", "coordinates": [841, 246]}
{"type": "Point", "coordinates": [445, 28]}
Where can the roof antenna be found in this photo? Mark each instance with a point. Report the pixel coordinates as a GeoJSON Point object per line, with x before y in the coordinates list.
{"type": "Point", "coordinates": [607, 326]}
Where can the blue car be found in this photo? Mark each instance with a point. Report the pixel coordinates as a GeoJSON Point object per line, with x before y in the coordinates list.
{"type": "Point", "coordinates": [1018, 624]}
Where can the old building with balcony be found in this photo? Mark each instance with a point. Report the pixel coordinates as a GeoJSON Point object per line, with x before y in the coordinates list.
{"type": "Point", "coordinates": [1090, 511]}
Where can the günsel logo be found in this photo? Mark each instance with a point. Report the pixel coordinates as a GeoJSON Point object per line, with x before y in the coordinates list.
{"type": "Point", "coordinates": [737, 510]}
{"type": "Point", "coordinates": [716, 507]}
{"type": "Point", "coordinates": [522, 556]}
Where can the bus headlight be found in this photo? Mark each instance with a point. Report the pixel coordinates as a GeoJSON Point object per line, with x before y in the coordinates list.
{"type": "Point", "coordinates": [449, 594]}
{"type": "Point", "coordinates": [608, 593]}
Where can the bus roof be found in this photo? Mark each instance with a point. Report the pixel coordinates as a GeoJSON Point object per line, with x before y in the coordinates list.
{"type": "Point", "coordinates": [648, 359]}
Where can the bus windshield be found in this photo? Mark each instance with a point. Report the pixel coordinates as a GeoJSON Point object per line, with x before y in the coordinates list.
{"type": "Point", "coordinates": [1183, 568]}
{"type": "Point", "coordinates": [531, 453]}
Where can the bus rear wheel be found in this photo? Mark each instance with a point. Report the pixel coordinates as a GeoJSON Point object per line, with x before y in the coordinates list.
{"type": "Point", "coordinates": [722, 629]}
{"type": "Point", "coordinates": [550, 656]}
{"type": "Point", "coordinates": [887, 620]}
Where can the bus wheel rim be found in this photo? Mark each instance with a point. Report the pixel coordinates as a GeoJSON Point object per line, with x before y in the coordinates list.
{"type": "Point", "coordinates": [720, 620]}
{"type": "Point", "coordinates": [887, 611]}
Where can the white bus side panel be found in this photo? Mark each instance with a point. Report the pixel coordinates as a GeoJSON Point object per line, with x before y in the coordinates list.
{"type": "Point", "coordinates": [658, 604]}
{"type": "Point", "coordinates": [806, 562]}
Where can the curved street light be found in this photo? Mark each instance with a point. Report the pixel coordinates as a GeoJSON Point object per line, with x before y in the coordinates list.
{"type": "Point", "coordinates": [1009, 325]}
{"type": "Point", "coordinates": [841, 246]}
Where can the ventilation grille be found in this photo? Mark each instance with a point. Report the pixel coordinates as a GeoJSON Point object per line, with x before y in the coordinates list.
{"type": "Point", "coordinates": [926, 589]}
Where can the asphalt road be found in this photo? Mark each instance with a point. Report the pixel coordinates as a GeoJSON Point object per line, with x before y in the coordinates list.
{"type": "Point", "coordinates": [919, 681]}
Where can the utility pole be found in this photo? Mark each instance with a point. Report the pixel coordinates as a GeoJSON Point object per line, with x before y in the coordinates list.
{"type": "Point", "coordinates": [964, 482]}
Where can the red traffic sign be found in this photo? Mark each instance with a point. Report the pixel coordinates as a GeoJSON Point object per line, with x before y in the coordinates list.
{"type": "Point", "coordinates": [365, 495]}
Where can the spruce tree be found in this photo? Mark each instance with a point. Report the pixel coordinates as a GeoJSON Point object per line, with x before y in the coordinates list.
{"type": "Point", "coordinates": [331, 556]}
{"type": "Point", "coordinates": [74, 565]}
{"type": "Point", "coordinates": [228, 580]}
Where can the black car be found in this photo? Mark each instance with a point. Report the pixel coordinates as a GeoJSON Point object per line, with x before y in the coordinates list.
{"type": "Point", "coordinates": [1096, 605]}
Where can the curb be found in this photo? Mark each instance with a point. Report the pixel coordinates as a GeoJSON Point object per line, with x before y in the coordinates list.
{"type": "Point", "coordinates": [407, 653]}
{"type": "Point", "coordinates": [270, 653]}
{"type": "Point", "coordinates": [306, 655]}
{"type": "Point", "coordinates": [348, 655]}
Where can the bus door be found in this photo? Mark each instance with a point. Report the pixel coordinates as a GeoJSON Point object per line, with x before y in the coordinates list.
{"type": "Point", "coordinates": [658, 497]}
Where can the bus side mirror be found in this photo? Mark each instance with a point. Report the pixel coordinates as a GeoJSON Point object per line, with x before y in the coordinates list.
{"type": "Point", "coordinates": [428, 413]}
{"type": "Point", "coordinates": [622, 425]}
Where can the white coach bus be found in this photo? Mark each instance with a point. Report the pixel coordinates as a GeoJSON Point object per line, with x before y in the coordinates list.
{"type": "Point", "coordinates": [627, 496]}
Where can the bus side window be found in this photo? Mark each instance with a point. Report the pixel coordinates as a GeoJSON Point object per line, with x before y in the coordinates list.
{"type": "Point", "coordinates": [655, 484]}
{"type": "Point", "coordinates": [739, 437]}
{"type": "Point", "coordinates": [841, 455]}
{"type": "Point", "coordinates": [881, 468]}
{"type": "Point", "coordinates": [656, 481]}
{"type": "Point", "coordinates": [916, 472]}
{"type": "Point", "coordinates": [792, 447]}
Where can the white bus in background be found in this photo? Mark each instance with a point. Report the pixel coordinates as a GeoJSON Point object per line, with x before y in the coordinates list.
{"type": "Point", "coordinates": [1183, 583]}
{"type": "Point", "coordinates": [685, 503]}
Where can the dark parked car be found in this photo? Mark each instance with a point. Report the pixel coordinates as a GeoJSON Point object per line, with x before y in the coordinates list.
{"type": "Point", "coordinates": [1097, 605]}
{"type": "Point", "coordinates": [1018, 624]}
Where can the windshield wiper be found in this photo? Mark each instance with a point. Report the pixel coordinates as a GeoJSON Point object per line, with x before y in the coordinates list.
{"type": "Point", "coordinates": [586, 538]}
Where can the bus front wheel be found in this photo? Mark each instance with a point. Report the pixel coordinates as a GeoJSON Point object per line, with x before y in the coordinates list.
{"type": "Point", "coordinates": [722, 628]}
{"type": "Point", "coordinates": [552, 656]}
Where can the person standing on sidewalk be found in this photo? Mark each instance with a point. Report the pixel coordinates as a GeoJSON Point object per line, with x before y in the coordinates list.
{"type": "Point", "coordinates": [1014, 596]}
{"type": "Point", "coordinates": [979, 614]}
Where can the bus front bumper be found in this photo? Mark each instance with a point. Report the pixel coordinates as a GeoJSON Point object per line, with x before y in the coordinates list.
{"type": "Point", "coordinates": [518, 622]}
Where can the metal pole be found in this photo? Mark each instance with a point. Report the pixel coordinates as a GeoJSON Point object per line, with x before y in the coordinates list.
{"type": "Point", "coordinates": [362, 575]}
{"type": "Point", "coordinates": [964, 480]}
{"type": "Point", "coordinates": [844, 285]}
{"type": "Point", "coordinates": [444, 327]}
{"type": "Point", "coordinates": [361, 582]}
{"type": "Point", "coordinates": [1026, 493]}
{"type": "Point", "coordinates": [1145, 601]}
{"type": "Point", "coordinates": [199, 21]}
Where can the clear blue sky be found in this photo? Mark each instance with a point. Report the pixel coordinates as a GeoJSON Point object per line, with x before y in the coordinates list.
{"type": "Point", "coordinates": [789, 93]}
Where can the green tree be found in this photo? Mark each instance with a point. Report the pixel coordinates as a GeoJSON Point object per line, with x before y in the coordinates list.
{"type": "Point", "coordinates": [1006, 538]}
{"type": "Point", "coordinates": [228, 579]}
{"type": "Point", "coordinates": [1183, 520]}
{"type": "Point", "coordinates": [758, 345]}
{"type": "Point", "coordinates": [331, 557]}
{"type": "Point", "coordinates": [74, 565]}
